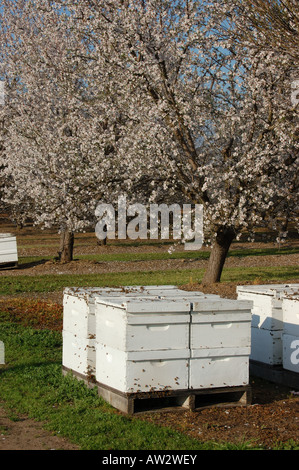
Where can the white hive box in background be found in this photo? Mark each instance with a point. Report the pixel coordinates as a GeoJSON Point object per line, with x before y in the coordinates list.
{"type": "Point", "coordinates": [290, 308]}
{"type": "Point", "coordinates": [290, 336]}
{"type": "Point", "coordinates": [220, 323]}
{"type": "Point", "coordinates": [266, 346]}
{"type": "Point", "coordinates": [2, 353]}
{"type": "Point", "coordinates": [142, 371]}
{"type": "Point", "coordinates": [142, 323]}
{"type": "Point", "coordinates": [267, 320]}
{"type": "Point", "coordinates": [290, 352]}
{"type": "Point", "coordinates": [267, 303]}
{"type": "Point", "coordinates": [8, 249]}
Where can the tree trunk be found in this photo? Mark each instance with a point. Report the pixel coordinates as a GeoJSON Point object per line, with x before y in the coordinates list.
{"type": "Point", "coordinates": [223, 241]}
{"type": "Point", "coordinates": [66, 246]}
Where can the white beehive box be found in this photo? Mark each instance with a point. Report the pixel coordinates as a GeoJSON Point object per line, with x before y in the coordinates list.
{"type": "Point", "coordinates": [290, 336]}
{"type": "Point", "coordinates": [267, 319]}
{"type": "Point", "coordinates": [79, 321]}
{"type": "Point", "coordinates": [2, 353]}
{"type": "Point", "coordinates": [220, 323]}
{"type": "Point", "coordinates": [143, 323]}
{"type": "Point", "coordinates": [290, 352]}
{"type": "Point", "coordinates": [78, 312]}
{"type": "Point", "coordinates": [290, 308]}
{"type": "Point", "coordinates": [142, 371]}
{"type": "Point", "coordinates": [220, 339]}
{"type": "Point", "coordinates": [79, 354]}
{"type": "Point", "coordinates": [79, 306]}
{"type": "Point", "coordinates": [219, 367]}
{"type": "Point", "coordinates": [8, 249]}
{"type": "Point", "coordinates": [266, 346]}
{"type": "Point", "coordinates": [140, 325]}
{"type": "Point", "coordinates": [78, 350]}
{"type": "Point", "coordinates": [267, 303]}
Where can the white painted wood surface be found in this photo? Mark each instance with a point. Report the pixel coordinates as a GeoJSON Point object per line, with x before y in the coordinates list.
{"type": "Point", "coordinates": [79, 353]}
{"type": "Point", "coordinates": [266, 346]}
{"type": "Point", "coordinates": [290, 309]}
{"type": "Point", "coordinates": [269, 320]}
{"type": "Point", "coordinates": [8, 248]}
{"type": "Point", "coordinates": [143, 324]}
{"type": "Point", "coordinates": [219, 367]}
{"type": "Point", "coordinates": [2, 353]}
{"type": "Point", "coordinates": [220, 323]}
{"type": "Point", "coordinates": [141, 338]}
{"type": "Point", "coordinates": [142, 371]}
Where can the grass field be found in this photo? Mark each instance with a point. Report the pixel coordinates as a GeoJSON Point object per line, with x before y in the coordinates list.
{"type": "Point", "coordinates": [31, 381]}
{"type": "Point", "coordinates": [33, 384]}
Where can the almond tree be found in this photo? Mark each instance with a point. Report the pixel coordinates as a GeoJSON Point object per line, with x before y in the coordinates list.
{"type": "Point", "coordinates": [215, 117]}
{"type": "Point", "coordinates": [61, 131]}
{"type": "Point", "coordinates": [150, 90]}
{"type": "Point", "coordinates": [269, 24]}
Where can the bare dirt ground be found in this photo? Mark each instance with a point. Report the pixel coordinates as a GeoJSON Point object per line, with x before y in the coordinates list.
{"type": "Point", "coordinates": [26, 434]}
{"type": "Point", "coordinates": [273, 416]}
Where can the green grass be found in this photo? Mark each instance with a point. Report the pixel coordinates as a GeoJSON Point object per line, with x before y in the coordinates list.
{"type": "Point", "coordinates": [191, 255]}
{"type": "Point", "coordinates": [10, 285]}
{"type": "Point", "coordinates": [32, 383]}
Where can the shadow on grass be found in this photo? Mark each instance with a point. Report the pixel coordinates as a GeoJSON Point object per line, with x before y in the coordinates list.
{"type": "Point", "coordinates": [21, 265]}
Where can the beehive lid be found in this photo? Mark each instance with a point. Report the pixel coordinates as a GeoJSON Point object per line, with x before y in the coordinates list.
{"type": "Point", "coordinates": [215, 305]}
{"type": "Point", "coordinates": [159, 292]}
{"type": "Point", "coordinates": [275, 290]}
{"type": "Point", "coordinates": [126, 290]}
{"type": "Point", "coordinates": [82, 291]}
{"type": "Point", "coordinates": [145, 304]}
{"type": "Point", "coordinates": [292, 295]}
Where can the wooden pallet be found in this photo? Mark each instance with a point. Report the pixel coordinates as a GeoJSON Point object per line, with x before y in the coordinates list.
{"type": "Point", "coordinates": [168, 400]}
{"type": "Point", "coordinates": [175, 400]}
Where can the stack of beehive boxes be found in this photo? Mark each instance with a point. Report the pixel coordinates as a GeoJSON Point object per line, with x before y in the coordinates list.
{"type": "Point", "coordinates": [79, 326]}
{"type": "Point", "coordinates": [219, 343]}
{"type": "Point", "coordinates": [142, 344]}
{"type": "Point", "coordinates": [290, 336]}
{"type": "Point", "coordinates": [154, 338]}
{"type": "Point", "coordinates": [267, 320]}
{"type": "Point", "coordinates": [78, 352]}
{"type": "Point", "coordinates": [79, 320]}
